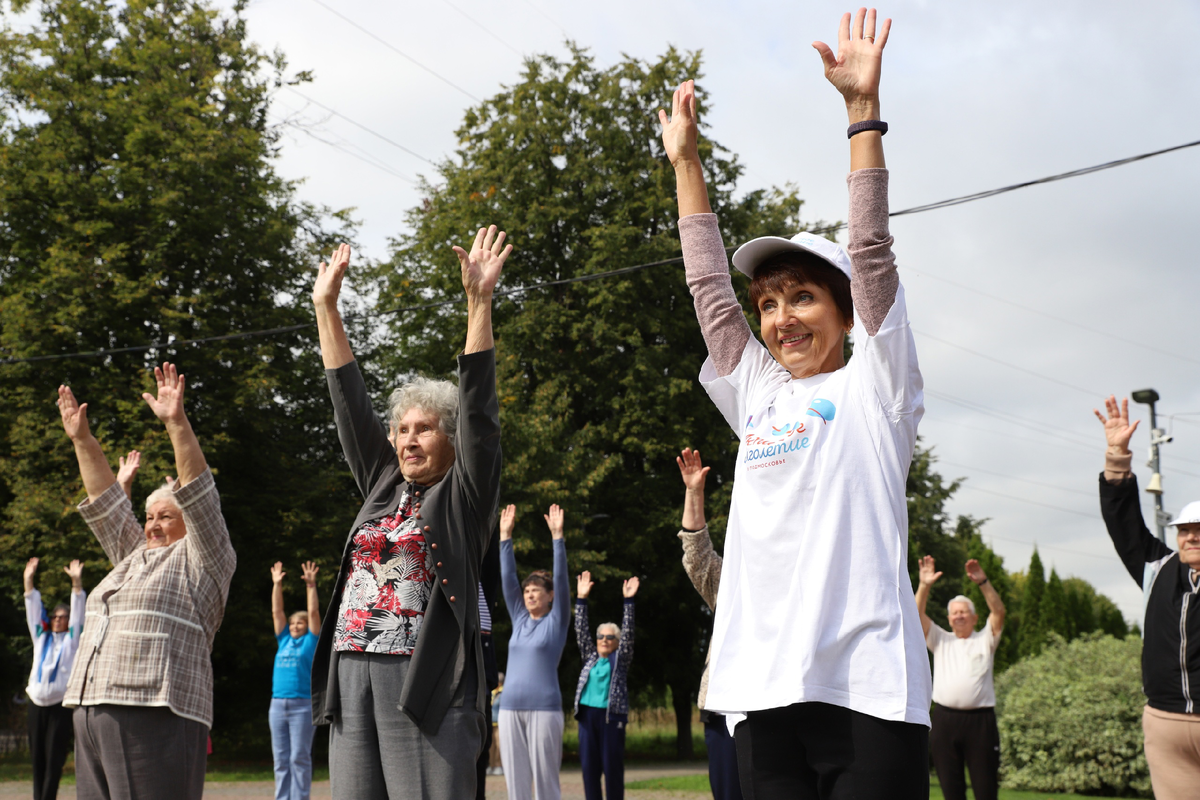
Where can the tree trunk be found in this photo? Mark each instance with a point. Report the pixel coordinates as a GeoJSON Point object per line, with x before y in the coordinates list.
{"type": "Point", "coordinates": [681, 700]}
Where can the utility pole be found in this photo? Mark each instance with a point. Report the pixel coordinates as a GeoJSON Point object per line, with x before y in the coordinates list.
{"type": "Point", "coordinates": [1158, 436]}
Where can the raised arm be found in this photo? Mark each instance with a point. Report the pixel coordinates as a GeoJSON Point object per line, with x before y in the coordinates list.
{"type": "Point", "coordinates": [93, 466]}
{"type": "Point", "coordinates": [310, 570]}
{"type": "Point", "coordinates": [996, 610]}
{"type": "Point", "coordinates": [168, 407]}
{"type": "Point", "coordinates": [625, 647]}
{"type": "Point", "coordinates": [1119, 502]}
{"type": "Point", "coordinates": [335, 345]}
{"type": "Point", "coordinates": [128, 470]}
{"type": "Point", "coordinates": [705, 261]}
{"type": "Point", "coordinates": [855, 72]}
{"type": "Point", "coordinates": [278, 615]}
{"type": "Point", "coordinates": [562, 588]}
{"type": "Point", "coordinates": [480, 271]}
{"type": "Point", "coordinates": [78, 604]}
{"type": "Point", "coordinates": [510, 587]}
{"type": "Point", "coordinates": [583, 633]}
{"type": "Point", "coordinates": [928, 576]}
{"type": "Point", "coordinates": [700, 561]}
{"type": "Point", "coordinates": [34, 611]}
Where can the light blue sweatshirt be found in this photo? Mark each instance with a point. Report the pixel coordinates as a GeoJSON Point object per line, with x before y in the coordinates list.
{"type": "Point", "coordinates": [536, 645]}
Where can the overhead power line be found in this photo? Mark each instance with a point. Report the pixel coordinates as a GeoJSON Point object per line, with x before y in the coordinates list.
{"type": "Point", "coordinates": [396, 50]}
{"type": "Point", "coordinates": [340, 115]}
{"type": "Point", "coordinates": [1027, 371]}
{"type": "Point", "coordinates": [649, 265]}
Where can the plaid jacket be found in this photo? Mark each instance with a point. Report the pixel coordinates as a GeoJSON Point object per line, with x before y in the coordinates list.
{"type": "Point", "coordinates": [618, 692]}
{"type": "Point", "coordinates": [151, 621]}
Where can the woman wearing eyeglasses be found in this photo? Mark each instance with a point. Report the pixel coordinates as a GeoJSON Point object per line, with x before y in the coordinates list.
{"type": "Point", "coordinates": [55, 640]}
{"type": "Point", "coordinates": [601, 697]}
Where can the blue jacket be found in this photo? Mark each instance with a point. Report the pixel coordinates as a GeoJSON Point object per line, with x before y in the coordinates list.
{"type": "Point", "coordinates": [618, 693]}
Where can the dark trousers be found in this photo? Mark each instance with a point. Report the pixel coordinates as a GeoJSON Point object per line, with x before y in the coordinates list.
{"type": "Point", "coordinates": [138, 753]}
{"type": "Point", "coordinates": [722, 758]}
{"type": "Point", "coordinates": [602, 750]}
{"type": "Point", "coordinates": [492, 679]}
{"type": "Point", "coordinates": [811, 751]}
{"type": "Point", "coordinates": [970, 738]}
{"type": "Point", "coordinates": [49, 743]}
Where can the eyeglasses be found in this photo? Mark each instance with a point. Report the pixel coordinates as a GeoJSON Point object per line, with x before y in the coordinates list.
{"type": "Point", "coordinates": [600, 637]}
{"type": "Point", "coordinates": [61, 616]}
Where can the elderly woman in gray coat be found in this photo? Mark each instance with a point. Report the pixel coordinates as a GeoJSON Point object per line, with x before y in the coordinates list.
{"type": "Point", "coordinates": [398, 672]}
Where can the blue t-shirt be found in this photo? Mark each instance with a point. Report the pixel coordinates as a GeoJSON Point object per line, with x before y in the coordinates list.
{"type": "Point", "coordinates": [595, 693]}
{"type": "Point", "coordinates": [293, 666]}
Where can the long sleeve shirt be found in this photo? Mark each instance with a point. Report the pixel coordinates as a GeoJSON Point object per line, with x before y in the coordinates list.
{"type": "Point", "coordinates": [617, 701]}
{"type": "Point", "coordinates": [53, 653]}
{"type": "Point", "coordinates": [536, 645]}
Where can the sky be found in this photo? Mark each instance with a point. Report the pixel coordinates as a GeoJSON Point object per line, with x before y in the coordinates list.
{"type": "Point", "coordinates": [1028, 308]}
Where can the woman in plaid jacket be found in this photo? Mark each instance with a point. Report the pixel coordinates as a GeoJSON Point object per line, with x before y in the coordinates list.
{"type": "Point", "coordinates": [601, 696]}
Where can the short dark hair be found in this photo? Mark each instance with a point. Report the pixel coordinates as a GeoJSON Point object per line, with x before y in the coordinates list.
{"type": "Point", "coordinates": [539, 577]}
{"type": "Point", "coordinates": [792, 267]}
{"type": "Point", "coordinates": [61, 607]}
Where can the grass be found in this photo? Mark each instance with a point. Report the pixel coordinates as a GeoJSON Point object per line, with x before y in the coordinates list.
{"type": "Point", "coordinates": [699, 784]}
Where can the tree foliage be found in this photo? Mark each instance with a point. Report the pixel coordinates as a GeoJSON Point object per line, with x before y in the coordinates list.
{"type": "Point", "coordinates": [1070, 718]}
{"type": "Point", "coordinates": [1032, 633]}
{"type": "Point", "coordinates": [138, 203]}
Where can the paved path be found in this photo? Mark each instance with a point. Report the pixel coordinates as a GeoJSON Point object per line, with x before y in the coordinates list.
{"type": "Point", "coordinates": [572, 785]}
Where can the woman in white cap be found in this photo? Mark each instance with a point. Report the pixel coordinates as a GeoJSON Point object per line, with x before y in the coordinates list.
{"type": "Point", "coordinates": [1170, 582]}
{"type": "Point", "coordinates": [817, 639]}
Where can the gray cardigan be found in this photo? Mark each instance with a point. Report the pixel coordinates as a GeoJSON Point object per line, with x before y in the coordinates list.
{"type": "Point", "coordinates": [459, 513]}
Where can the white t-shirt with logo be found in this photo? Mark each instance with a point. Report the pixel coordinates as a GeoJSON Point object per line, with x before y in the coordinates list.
{"type": "Point", "coordinates": [815, 602]}
{"type": "Point", "coordinates": [962, 668]}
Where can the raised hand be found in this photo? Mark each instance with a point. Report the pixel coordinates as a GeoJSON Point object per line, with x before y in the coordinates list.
{"type": "Point", "coordinates": [128, 470]}
{"type": "Point", "coordinates": [927, 571]}
{"type": "Point", "coordinates": [168, 405]}
{"type": "Point", "coordinates": [681, 131]}
{"type": "Point", "coordinates": [692, 470]}
{"type": "Point", "coordinates": [481, 267]}
{"type": "Point", "coordinates": [309, 570]}
{"type": "Point", "coordinates": [31, 568]}
{"type": "Point", "coordinates": [583, 585]}
{"type": "Point", "coordinates": [554, 520]}
{"type": "Point", "coordinates": [854, 71]}
{"type": "Point", "coordinates": [74, 415]}
{"type": "Point", "coordinates": [328, 285]}
{"type": "Point", "coordinates": [75, 571]}
{"type": "Point", "coordinates": [1117, 430]}
{"type": "Point", "coordinates": [975, 572]}
{"type": "Point", "coordinates": [630, 587]}
{"type": "Point", "coordinates": [277, 573]}
{"type": "Point", "coordinates": [508, 518]}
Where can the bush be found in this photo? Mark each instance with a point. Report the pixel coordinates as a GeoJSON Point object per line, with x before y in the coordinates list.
{"type": "Point", "coordinates": [1071, 719]}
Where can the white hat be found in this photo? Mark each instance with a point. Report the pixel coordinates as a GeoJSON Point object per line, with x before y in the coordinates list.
{"type": "Point", "coordinates": [756, 251]}
{"type": "Point", "coordinates": [1189, 515]}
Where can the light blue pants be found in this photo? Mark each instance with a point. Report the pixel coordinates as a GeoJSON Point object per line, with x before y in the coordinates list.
{"type": "Point", "coordinates": [291, 739]}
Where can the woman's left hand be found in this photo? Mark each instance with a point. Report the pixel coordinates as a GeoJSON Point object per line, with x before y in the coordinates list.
{"type": "Point", "coordinates": [481, 267]}
{"type": "Point", "coordinates": [630, 587]}
{"type": "Point", "coordinates": [309, 570]}
{"type": "Point", "coordinates": [554, 520]}
{"type": "Point", "coordinates": [855, 70]}
{"type": "Point", "coordinates": [168, 406]}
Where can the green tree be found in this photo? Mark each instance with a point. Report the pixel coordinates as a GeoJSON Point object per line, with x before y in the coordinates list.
{"type": "Point", "coordinates": [1032, 634]}
{"type": "Point", "coordinates": [597, 379]}
{"type": "Point", "coordinates": [138, 203]}
{"type": "Point", "coordinates": [1054, 615]}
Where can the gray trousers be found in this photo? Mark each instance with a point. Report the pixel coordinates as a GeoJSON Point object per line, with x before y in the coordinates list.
{"type": "Point", "coordinates": [137, 753]}
{"type": "Point", "coordinates": [531, 751]}
{"type": "Point", "coordinates": [377, 753]}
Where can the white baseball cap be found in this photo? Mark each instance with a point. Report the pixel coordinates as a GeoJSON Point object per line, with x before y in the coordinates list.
{"type": "Point", "coordinates": [1189, 515]}
{"type": "Point", "coordinates": [756, 251]}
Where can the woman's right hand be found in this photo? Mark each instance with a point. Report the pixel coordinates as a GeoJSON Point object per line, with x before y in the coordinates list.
{"type": "Point", "coordinates": [74, 415]}
{"type": "Point", "coordinates": [692, 470]}
{"type": "Point", "coordinates": [128, 470]}
{"type": "Point", "coordinates": [329, 277]}
{"type": "Point", "coordinates": [927, 571]}
{"type": "Point", "coordinates": [681, 132]}
{"type": "Point", "coordinates": [1117, 430]}
{"type": "Point", "coordinates": [554, 521]}
{"type": "Point", "coordinates": [508, 518]}
{"type": "Point", "coordinates": [583, 585]}
{"type": "Point", "coordinates": [277, 573]}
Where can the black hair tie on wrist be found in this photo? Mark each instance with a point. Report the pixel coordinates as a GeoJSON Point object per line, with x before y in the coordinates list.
{"type": "Point", "coordinates": [867, 125]}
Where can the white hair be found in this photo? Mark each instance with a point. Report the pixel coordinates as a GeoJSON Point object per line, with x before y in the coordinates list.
{"type": "Point", "coordinates": [612, 626]}
{"type": "Point", "coordinates": [962, 599]}
{"type": "Point", "coordinates": [439, 398]}
{"type": "Point", "coordinates": [163, 494]}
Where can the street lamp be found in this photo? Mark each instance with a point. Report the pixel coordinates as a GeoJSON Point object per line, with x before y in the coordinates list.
{"type": "Point", "coordinates": [1157, 436]}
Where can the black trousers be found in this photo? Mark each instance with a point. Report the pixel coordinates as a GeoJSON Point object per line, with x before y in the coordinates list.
{"type": "Point", "coordinates": [602, 751]}
{"type": "Point", "coordinates": [492, 679]}
{"type": "Point", "coordinates": [722, 758]}
{"type": "Point", "coordinates": [817, 751]}
{"type": "Point", "coordinates": [49, 742]}
{"type": "Point", "coordinates": [970, 738]}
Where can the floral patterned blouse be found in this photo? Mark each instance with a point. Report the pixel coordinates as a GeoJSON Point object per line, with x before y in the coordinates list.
{"type": "Point", "coordinates": [390, 581]}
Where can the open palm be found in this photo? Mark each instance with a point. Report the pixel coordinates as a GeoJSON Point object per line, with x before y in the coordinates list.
{"type": "Point", "coordinates": [168, 405]}
{"type": "Point", "coordinates": [854, 71]}
{"type": "Point", "coordinates": [481, 267]}
{"type": "Point", "coordinates": [1117, 430]}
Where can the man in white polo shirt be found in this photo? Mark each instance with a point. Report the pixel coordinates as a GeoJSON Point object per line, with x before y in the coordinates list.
{"type": "Point", "coordinates": [964, 717]}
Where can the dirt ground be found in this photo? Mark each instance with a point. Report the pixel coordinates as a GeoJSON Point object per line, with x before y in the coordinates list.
{"type": "Point", "coordinates": [572, 785]}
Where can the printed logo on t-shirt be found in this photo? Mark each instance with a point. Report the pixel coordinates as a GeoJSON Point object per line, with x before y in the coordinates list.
{"type": "Point", "coordinates": [773, 441]}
